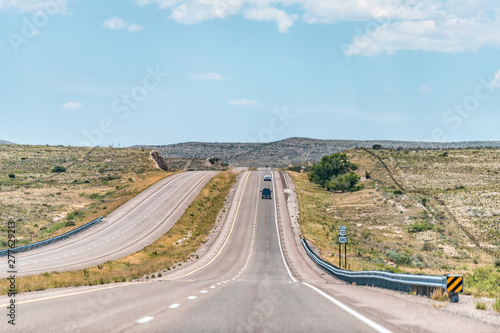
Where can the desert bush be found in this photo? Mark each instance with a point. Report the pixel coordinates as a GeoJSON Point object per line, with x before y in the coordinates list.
{"type": "Point", "coordinates": [330, 167]}
{"type": "Point", "coordinates": [12, 176]}
{"type": "Point", "coordinates": [58, 169]}
{"type": "Point", "coordinates": [399, 258]}
{"type": "Point", "coordinates": [345, 183]}
{"type": "Point", "coordinates": [420, 226]}
{"type": "Point", "coordinates": [486, 279]}
{"type": "Point", "coordinates": [428, 247]}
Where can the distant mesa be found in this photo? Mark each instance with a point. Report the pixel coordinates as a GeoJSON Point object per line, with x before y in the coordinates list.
{"type": "Point", "coordinates": [3, 142]}
{"type": "Point", "coordinates": [293, 150]}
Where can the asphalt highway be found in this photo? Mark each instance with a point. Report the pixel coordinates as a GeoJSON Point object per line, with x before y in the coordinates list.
{"type": "Point", "coordinates": [131, 227]}
{"type": "Point", "coordinates": [253, 278]}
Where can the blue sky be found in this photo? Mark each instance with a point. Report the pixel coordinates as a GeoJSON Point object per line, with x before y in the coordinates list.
{"type": "Point", "coordinates": [77, 72]}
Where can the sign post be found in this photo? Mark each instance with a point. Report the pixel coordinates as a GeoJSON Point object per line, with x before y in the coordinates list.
{"type": "Point", "coordinates": [342, 240]}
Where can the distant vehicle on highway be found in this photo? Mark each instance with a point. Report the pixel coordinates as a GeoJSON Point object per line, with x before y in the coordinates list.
{"type": "Point", "coordinates": [267, 178]}
{"type": "Point", "coordinates": [267, 166]}
{"type": "Point", "coordinates": [266, 193]}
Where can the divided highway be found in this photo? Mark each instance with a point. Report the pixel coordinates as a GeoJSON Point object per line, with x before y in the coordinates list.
{"type": "Point", "coordinates": [131, 227]}
{"type": "Point", "coordinates": [253, 278]}
{"type": "Point", "coordinates": [246, 286]}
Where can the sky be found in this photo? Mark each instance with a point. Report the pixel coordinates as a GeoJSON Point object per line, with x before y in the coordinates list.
{"type": "Point", "coordinates": [121, 73]}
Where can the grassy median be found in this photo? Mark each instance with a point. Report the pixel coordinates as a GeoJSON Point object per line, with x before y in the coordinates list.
{"type": "Point", "coordinates": [173, 248]}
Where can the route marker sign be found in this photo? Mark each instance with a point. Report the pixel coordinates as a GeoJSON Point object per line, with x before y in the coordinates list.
{"type": "Point", "coordinates": [342, 230]}
{"type": "Point", "coordinates": [342, 239]}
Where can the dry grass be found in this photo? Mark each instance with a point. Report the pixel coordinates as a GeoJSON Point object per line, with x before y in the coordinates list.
{"type": "Point", "coordinates": [496, 305]}
{"type": "Point", "coordinates": [480, 305]}
{"type": "Point", "coordinates": [42, 202]}
{"type": "Point", "coordinates": [411, 231]}
{"type": "Point", "coordinates": [439, 295]}
{"type": "Point", "coordinates": [168, 251]}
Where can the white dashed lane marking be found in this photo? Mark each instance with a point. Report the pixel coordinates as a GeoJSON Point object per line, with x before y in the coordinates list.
{"type": "Point", "coordinates": [174, 306]}
{"type": "Point", "coordinates": [144, 320]}
{"type": "Point", "coordinates": [192, 297]}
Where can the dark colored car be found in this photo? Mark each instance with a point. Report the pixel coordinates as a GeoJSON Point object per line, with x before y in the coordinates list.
{"type": "Point", "coordinates": [266, 193]}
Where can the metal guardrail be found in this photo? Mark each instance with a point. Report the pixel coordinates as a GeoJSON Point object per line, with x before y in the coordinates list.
{"type": "Point", "coordinates": [32, 246]}
{"type": "Point", "coordinates": [388, 280]}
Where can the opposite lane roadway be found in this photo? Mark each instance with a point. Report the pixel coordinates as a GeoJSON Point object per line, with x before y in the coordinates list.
{"type": "Point", "coordinates": [134, 225]}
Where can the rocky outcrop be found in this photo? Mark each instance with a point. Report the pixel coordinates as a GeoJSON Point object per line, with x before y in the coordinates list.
{"type": "Point", "coordinates": [161, 163]}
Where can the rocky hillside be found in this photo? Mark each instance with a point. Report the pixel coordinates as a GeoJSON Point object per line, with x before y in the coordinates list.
{"type": "Point", "coordinates": [3, 142]}
{"type": "Point", "coordinates": [292, 150]}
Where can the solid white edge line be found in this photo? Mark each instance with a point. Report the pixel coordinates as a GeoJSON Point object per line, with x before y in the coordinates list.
{"type": "Point", "coordinates": [347, 309]}
{"type": "Point", "coordinates": [277, 230]}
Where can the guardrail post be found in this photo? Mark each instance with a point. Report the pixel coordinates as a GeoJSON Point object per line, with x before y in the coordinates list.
{"type": "Point", "coordinates": [453, 297]}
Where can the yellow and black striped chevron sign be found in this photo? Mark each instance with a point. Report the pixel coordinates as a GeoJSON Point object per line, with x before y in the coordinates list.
{"type": "Point", "coordinates": [454, 284]}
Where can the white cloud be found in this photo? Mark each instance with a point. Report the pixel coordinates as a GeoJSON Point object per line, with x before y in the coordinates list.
{"type": "Point", "coordinates": [496, 80]}
{"type": "Point", "coordinates": [116, 23]}
{"type": "Point", "coordinates": [386, 26]}
{"type": "Point", "coordinates": [135, 27]}
{"type": "Point", "coordinates": [450, 36]}
{"type": "Point", "coordinates": [283, 20]}
{"type": "Point", "coordinates": [72, 106]}
{"type": "Point", "coordinates": [206, 76]}
{"type": "Point", "coordinates": [424, 89]}
{"type": "Point", "coordinates": [242, 102]}
{"type": "Point", "coordinates": [194, 11]}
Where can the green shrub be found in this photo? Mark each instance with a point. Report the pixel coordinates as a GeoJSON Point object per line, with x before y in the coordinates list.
{"type": "Point", "coordinates": [399, 258]}
{"type": "Point", "coordinates": [58, 169]}
{"type": "Point", "coordinates": [329, 167]}
{"type": "Point", "coordinates": [12, 176]}
{"type": "Point", "coordinates": [345, 183]}
{"type": "Point", "coordinates": [420, 226]}
{"type": "Point", "coordinates": [398, 192]}
{"type": "Point", "coordinates": [485, 279]}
